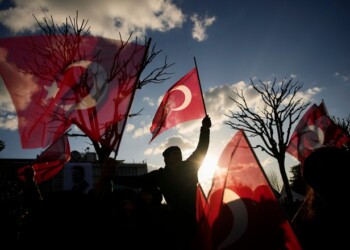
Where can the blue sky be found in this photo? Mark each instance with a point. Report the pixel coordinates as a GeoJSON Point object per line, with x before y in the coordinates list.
{"type": "Point", "coordinates": [232, 42]}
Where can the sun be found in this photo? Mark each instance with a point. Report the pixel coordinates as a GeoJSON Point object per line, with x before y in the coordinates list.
{"type": "Point", "coordinates": [206, 171]}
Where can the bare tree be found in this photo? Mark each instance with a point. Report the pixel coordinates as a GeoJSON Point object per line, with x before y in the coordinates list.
{"type": "Point", "coordinates": [66, 49]}
{"type": "Point", "coordinates": [344, 124]}
{"type": "Point", "coordinates": [273, 120]}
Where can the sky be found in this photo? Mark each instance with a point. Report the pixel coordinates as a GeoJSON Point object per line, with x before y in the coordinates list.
{"type": "Point", "coordinates": [232, 42]}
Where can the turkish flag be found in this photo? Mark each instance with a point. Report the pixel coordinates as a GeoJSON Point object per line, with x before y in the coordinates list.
{"type": "Point", "coordinates": [57, 81]}
{"type": "Point", "coordinates": [203, 234]}
{"type": "Point", "coordinates": [51, 161]}
{"type": "Point", "coordinates": [182, 102]}
{"type": "Point", "coordinates": [315, 130]}
{"type": "Point", "coordinates": [242, 211]}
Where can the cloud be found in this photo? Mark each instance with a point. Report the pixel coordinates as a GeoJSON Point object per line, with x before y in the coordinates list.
{"type": "Point", "coordinates": [267, 162]}
{"type": "Point", "coordinates": [149, 101]}
{"type": "Point", "coordinates": [8, 121]}
{"type": "Point", "coordinates": [106, 18]}
{"type": "Point", "coordinates": [129, 127]}
{"type": "Point", "coordinates": [311, 92]}
{"type": "Point", "coordinates": [186, 146]}
{"type": "Point", "coordinates": [342, 76]}
{"type": "Point", "coordinates": [152, 167]}
{"type": "Point", "coordinates": [218, 103]}
{"type": "Point", "coordinates": [8, 118]}
{"type": "Point", "coordinates": [139, 132]}
{"type": "Point", "coordinates": [200, 26]}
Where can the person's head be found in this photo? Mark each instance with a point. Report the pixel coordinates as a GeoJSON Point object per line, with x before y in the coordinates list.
{"type": "Point", "coordinates": [172, 156]}
{"type": "Point", "coordinates": [78, 174]}
{"type": "Point", "coordinates": [324, 171]}
{"type": "Point", "coordinates": [150, 195]}
{"type": "Point", "coordinates": [125, 201]}
{"type": "Point", "coordinates": [29, 173]}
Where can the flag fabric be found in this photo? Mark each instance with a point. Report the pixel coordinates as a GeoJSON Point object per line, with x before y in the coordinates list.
{"type": "Point", "coordinates": [182, 102]}
{"type": "Point", "coordinates": [203, 234]}
{"type": "Point", "coordinates": [315, 129]}
{"type": "Point", "coordinates": [242, 211]}
{"type": "Point", "coordinates": [57, 81]}
{"type": "Point", "coordinates": [297, 134]}
{"type": "Point", "coordinates": [51, 161]}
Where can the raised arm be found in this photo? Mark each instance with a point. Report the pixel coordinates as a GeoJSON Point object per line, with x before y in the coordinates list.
{"type": "Point", "coordinates": [203, 142]}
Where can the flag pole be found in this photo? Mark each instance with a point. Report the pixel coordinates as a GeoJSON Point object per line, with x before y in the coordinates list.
{"type": "Point", "coordinates": [132, 99]}
{"type": "Point", "coordinates": [324, 106]}
{"type": "Point", "coordinates": [257, 160]}
{"type": "Point", "coordinates": [200, 85]}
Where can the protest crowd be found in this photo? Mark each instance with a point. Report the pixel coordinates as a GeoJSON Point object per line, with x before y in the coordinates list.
{"type": "Point", "coordinates": [165, 208]}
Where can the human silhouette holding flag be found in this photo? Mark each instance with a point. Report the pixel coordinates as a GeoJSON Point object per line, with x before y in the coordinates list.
{"type": "Point", "coordinates": [177, 182]}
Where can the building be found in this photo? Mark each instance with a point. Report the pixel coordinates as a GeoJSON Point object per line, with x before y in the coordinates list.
{"type": "Point", "coordinates": [63, 180]}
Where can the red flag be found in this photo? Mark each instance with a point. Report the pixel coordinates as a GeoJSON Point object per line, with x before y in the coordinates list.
{"type": "Point", "coordinates": [315, 130]}
{"type": "Point", "coordinates": [52, 160]}
{"type": "Point", "coordinates": [57, 81]}
{"type": "Point", "coordinates": [243, 212]}
{"type": "Point", "coordinates": [203, 235]}
{"type": "Point", "coordinates": [182, 102]}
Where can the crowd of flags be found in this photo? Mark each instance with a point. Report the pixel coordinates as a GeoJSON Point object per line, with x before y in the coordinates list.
{"type": "Point", "coordinates": [56, 81]}
{"type": "Point", "coordinates": [94, 89]}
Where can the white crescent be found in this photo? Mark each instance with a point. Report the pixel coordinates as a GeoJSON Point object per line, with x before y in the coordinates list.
{"type": "Point", "coordinates": [313, 144]}
{"type": "Point", "coordinates": [98, 89]}
{"type": "Point", "coordinates": [188, 97]}
{"type": "Point", "coordinates": [239, 211]}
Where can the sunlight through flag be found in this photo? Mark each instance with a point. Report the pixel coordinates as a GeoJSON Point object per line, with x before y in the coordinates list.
{"type": "Point", "coordinates": [241, 211]}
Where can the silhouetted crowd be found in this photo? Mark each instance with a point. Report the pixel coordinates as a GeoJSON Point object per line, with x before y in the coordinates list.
{"type": "Point", "coordinates": [126, 218]}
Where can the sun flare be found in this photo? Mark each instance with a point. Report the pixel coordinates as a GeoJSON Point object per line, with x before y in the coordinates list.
{"type": "Point", "coordinates": [206, 172]}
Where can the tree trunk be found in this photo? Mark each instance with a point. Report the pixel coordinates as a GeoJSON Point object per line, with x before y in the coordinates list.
{"type": "Point", "coordinates": [288, 203]}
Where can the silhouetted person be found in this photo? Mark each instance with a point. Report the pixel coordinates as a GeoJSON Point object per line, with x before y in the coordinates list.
{"type": "Point", "coordinates": [79, 183]}
{"type": "Point", "coordinates": [177, 182]}
{"type": "Point", "coordinates": [63, 218]}
{"type": "Point", "coordinates": [13, 212]}
{"type": "Point", "coordinates": [157, 219]}
{"type": "Point", "coordinates": [319, 223]}
{"type": "Point", "coordinates": [31, 189]}
{"type": "Point", "coordinates": [104, 188]}
{"type": "Point", "coordinates": [150, 196]}
{"type": "Point", "coordinates": [32, 199]}
{"type": "Point", "coordinates": [116, 220]}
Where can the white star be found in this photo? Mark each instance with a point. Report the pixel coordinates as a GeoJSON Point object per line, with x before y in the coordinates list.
{"type": "Point", "coordinates": [51, 91]}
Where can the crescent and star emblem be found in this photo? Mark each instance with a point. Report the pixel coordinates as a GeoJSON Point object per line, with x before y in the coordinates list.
{"type": "Point", "coordinates": [240, 213]}
{"type": "Point", "coordinates": [188, 97]}
{"type": "Point", "coordinates": [97, 92]}
{"type": "Point", "coordinates": [315, 138]}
